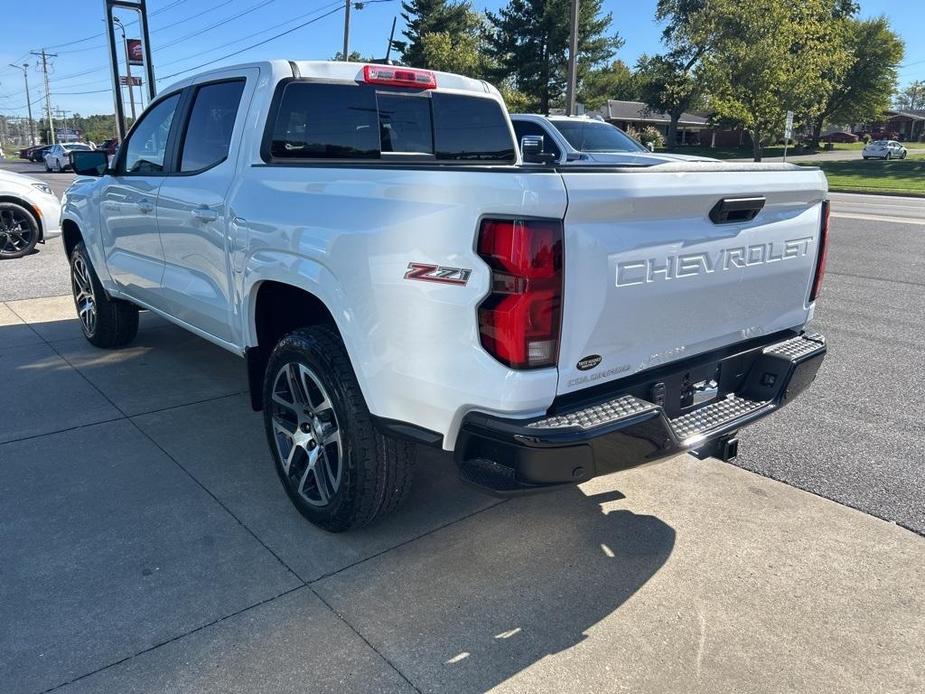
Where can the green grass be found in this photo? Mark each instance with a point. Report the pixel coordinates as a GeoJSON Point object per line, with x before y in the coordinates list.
{"type": "Point", "coordinates": [897, 177]}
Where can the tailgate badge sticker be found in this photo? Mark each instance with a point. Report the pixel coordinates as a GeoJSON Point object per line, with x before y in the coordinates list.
{"type": "Point", "coordinates": [589, 362]}
{"type": "Point", "coordinates": [437, 273]}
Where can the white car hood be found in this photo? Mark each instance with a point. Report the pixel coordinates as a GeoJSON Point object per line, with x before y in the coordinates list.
{"type": "Point", "coordinates": [17, 179]}
{"type": "Point", "coordinates": [641, 158]}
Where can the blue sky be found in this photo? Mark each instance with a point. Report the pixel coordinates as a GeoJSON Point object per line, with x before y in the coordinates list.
{"type": "Point", "coordinates": [181, 39]}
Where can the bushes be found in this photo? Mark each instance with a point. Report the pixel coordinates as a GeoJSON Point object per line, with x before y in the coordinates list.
{"type": "Point", "coordinates": [648, 135]}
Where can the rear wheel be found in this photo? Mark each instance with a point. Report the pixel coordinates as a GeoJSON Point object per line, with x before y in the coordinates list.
{"type": "Point", "coordinates": [105, 322]}
{"type": "Point", "coordinates": [337, 469]}
{"type": "Point", "coordinates": [19, 230]}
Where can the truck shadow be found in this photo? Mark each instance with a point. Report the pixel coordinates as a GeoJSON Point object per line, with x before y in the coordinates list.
{"type": "Point", "coordinates": [471, 606]}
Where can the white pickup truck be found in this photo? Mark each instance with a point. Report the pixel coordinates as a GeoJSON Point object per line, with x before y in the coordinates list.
{"type": "Point", "coordinates": [370, 240]}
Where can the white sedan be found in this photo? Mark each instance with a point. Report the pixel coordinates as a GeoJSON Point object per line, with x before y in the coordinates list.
{"type": "Point", "coordinates": [29, 213]}
{"type": "Point", "coordinates": [57, 158]}
{"type": "Point", "coordinates": [884, 149]}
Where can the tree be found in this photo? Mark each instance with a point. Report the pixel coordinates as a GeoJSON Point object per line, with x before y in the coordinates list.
{"type": "Point", "coordinates": [862, 90]}
{"type": "Point", "coordinates": [464, 53]}
{"type": "Point", "coordinates": [767, 57]}
{"type": "Point", "coordinates": [530, 45]}
{"type": "Point", "coordinates": [666, 83]}
{"type": "Point", "coordinates": [616, 81]}
{"type": "Point", "coordinates": [912, 97]}
{"type": "Point", "coordinates": [424, 17]}
{"type": "Point", "coordinates": [353, 57]}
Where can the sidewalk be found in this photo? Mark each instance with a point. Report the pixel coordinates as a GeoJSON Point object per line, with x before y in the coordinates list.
{"type": "Point", "coordinates": [148, 546]}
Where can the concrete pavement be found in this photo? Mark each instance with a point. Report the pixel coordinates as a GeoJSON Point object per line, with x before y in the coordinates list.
{"type": "Point", "coordinates": [148, 546]}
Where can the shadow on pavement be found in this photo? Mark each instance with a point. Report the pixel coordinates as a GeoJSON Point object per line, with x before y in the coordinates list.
{"type": "Point", "coordinates": [469, 607]}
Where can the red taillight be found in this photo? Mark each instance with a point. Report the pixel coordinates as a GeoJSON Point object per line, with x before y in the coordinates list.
{"type": "Point", "coordinates": [399, 76]}
{"type": "Point", "coordinates": [823, 252]}
{"type": "Point", "coordinates": [519, 321]}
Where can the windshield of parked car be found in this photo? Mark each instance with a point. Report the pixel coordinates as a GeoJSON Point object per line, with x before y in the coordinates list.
{"type": "Point", "coordinates": [880, 143]}
{"type": "Point", "coordinates": [73, 147]}
{"type": "Point", "coordinates": [593, 136]}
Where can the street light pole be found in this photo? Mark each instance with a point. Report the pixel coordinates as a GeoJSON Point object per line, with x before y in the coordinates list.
{"type": "Point", "coordinates": [25, 76]}
{"type": "Point", "coordinates": [572, 63]}
{"type": "Point", "coordinates": [128, 66]}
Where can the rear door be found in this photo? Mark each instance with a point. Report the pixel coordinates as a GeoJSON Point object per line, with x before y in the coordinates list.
{"type": "Point", "coordinates": [193, 217]}
{"type": "Point", "coordinates": [134, 255]}
{"type": "Point", "coordinates": [650, 278]}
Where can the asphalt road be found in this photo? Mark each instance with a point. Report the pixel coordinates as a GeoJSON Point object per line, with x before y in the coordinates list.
{"type": "Point", "coordinates": [854, 437]}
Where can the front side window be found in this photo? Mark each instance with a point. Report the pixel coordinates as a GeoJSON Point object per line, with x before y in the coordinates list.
{"type": "Point", "coordinates": [211, 122]}
{"type": "Point", "coordinates": [591, 136]}
{"type": "Point", "coordinates": [339, 121]}
{"type": "Point", "coordinates": [147, 145]}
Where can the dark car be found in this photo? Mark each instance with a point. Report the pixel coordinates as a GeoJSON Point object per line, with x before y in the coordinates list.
{"type": "Point", "coordinates": [26, 151]}
{"type": "Point", "coordinates": [109, 146]}
{"type": "Point", "coordinates": [38, 154]}
{"type": "Point", "coordinates": [840, 137]}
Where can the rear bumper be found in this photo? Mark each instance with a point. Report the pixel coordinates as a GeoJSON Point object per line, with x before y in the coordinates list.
{"type": "Point", "coordinates": [622, 428]}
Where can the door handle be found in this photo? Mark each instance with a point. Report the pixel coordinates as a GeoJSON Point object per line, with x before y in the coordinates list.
{"type": "Point", "coordinates": [204, 214]}
{"type": "Point", "coordinates": [145, 206]}
{"type": "Point", "coordinates": [731, 210]}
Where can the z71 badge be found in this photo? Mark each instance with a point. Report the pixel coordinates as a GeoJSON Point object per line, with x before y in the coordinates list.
{"type": "Point", "coordinates": [437, 273]}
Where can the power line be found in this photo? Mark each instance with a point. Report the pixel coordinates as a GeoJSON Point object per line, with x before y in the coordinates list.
{"type": "Point", "coordinates": [253, 45]}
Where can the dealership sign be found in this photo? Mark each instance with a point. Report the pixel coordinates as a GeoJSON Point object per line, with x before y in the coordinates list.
{"type": "Point", "coordinates": [135, 54]}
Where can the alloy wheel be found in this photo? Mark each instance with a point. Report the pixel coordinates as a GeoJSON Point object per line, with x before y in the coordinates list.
{"type": "Point", "coordinates": [84, 296]}
{"type": "Point", "coordinates": [307, 434]}
{"type": "Point", "coordinates": [16, 232]}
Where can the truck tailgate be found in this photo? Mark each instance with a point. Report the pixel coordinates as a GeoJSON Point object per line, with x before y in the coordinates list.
{"type": "Point", "coordinates": [650, 278]}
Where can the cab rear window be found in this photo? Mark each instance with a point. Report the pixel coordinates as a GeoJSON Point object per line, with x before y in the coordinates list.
{"type": "Point", "coordinates": [314, 120]}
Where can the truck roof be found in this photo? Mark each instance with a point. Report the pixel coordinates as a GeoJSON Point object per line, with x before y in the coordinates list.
{"type": "Point", "coordinates": [332, 70]}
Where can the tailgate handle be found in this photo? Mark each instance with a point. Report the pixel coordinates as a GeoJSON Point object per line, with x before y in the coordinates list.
{"type": "Point", "coordinates": [730, 210]}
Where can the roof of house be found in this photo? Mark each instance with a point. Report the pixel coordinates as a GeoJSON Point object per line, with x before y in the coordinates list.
{"type": "Point", "coordinates": [914, 114]}
{"type": "Point", "coordinates": [637, 111]}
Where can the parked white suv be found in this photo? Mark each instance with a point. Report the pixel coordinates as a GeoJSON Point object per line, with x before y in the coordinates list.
{"type": "Point", "coordinates": [368, 238]}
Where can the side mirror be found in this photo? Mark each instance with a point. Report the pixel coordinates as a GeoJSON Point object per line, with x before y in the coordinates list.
{"type": "Point", "coordinates": [531, 147]}
{"type": "Point", "coordinates": [92, 162]}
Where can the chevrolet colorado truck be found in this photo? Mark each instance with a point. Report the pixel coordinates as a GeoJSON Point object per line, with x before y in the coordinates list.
{"type": "Point", "coordinates": [370, 240]}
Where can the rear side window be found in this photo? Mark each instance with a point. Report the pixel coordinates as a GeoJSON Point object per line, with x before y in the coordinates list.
{"type": "Point", "coordinates": [340, 121]}
{"type": "Point", "coordinates": [211, 122]}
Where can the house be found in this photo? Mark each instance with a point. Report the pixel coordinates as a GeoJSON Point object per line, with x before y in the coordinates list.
{"type": "Point", "coordinates": [692, 127]}
{"type": "Point", "coordinates": [909, 124]}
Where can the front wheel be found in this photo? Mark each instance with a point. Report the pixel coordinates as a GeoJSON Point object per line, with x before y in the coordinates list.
{"type": "Point", "coordinates": [337, 469]}
{"type": "Point", "coordinates": [19, 230]}
{"type": "Point", "coordinates": [105, 322]}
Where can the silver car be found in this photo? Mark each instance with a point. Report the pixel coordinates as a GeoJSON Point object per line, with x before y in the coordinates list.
{"type": "Point", "coordinates": [58, 157]}
{"type": "Point", "coordinates": [884, 149]}
{"type": "Point", "coordinates": [583, 141]}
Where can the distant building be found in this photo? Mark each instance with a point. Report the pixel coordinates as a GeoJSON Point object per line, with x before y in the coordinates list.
{"type": "Point", "coordinates": [693, 128]}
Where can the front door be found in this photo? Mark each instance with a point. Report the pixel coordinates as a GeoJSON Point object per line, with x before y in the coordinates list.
{"type": "Point", "coordinates": [193, 217]}
{"type": "Point", "coordinates": [134, 255]}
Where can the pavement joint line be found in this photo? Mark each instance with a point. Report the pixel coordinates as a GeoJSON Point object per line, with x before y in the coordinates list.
{"type": "Point", "coordinates": [795, 485]}
{"type": "Point", "coordinates": [29, 325]}
{"type": "Point", "coordinates": [422, 535]}
{"type": "Point", "coordinates": [175, 638]}
{"type": "Point", "coordinates": [365, 640]}
{"type": "Point", "coordinates": [119, 419]}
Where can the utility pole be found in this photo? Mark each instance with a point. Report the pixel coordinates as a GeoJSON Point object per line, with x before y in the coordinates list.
{"type": "Point", "coordinates": [128, 66]}
{"type": "Point", "coordinates": [572, 63]}
{"type": "Point", "coordinates": [51, 124]}
{"type": "Point", "coordinates": [25, 75]}
{"type": "Point", "coordinates": [346, 30]}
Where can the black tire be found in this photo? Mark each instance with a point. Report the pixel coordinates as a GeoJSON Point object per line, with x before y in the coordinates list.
{"type": "Point", "coordinates": [19, 230]}
{"type": "Point", "coordinates": [374, 473]}
{"type": "Point", "coordinates": [105, 322]}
